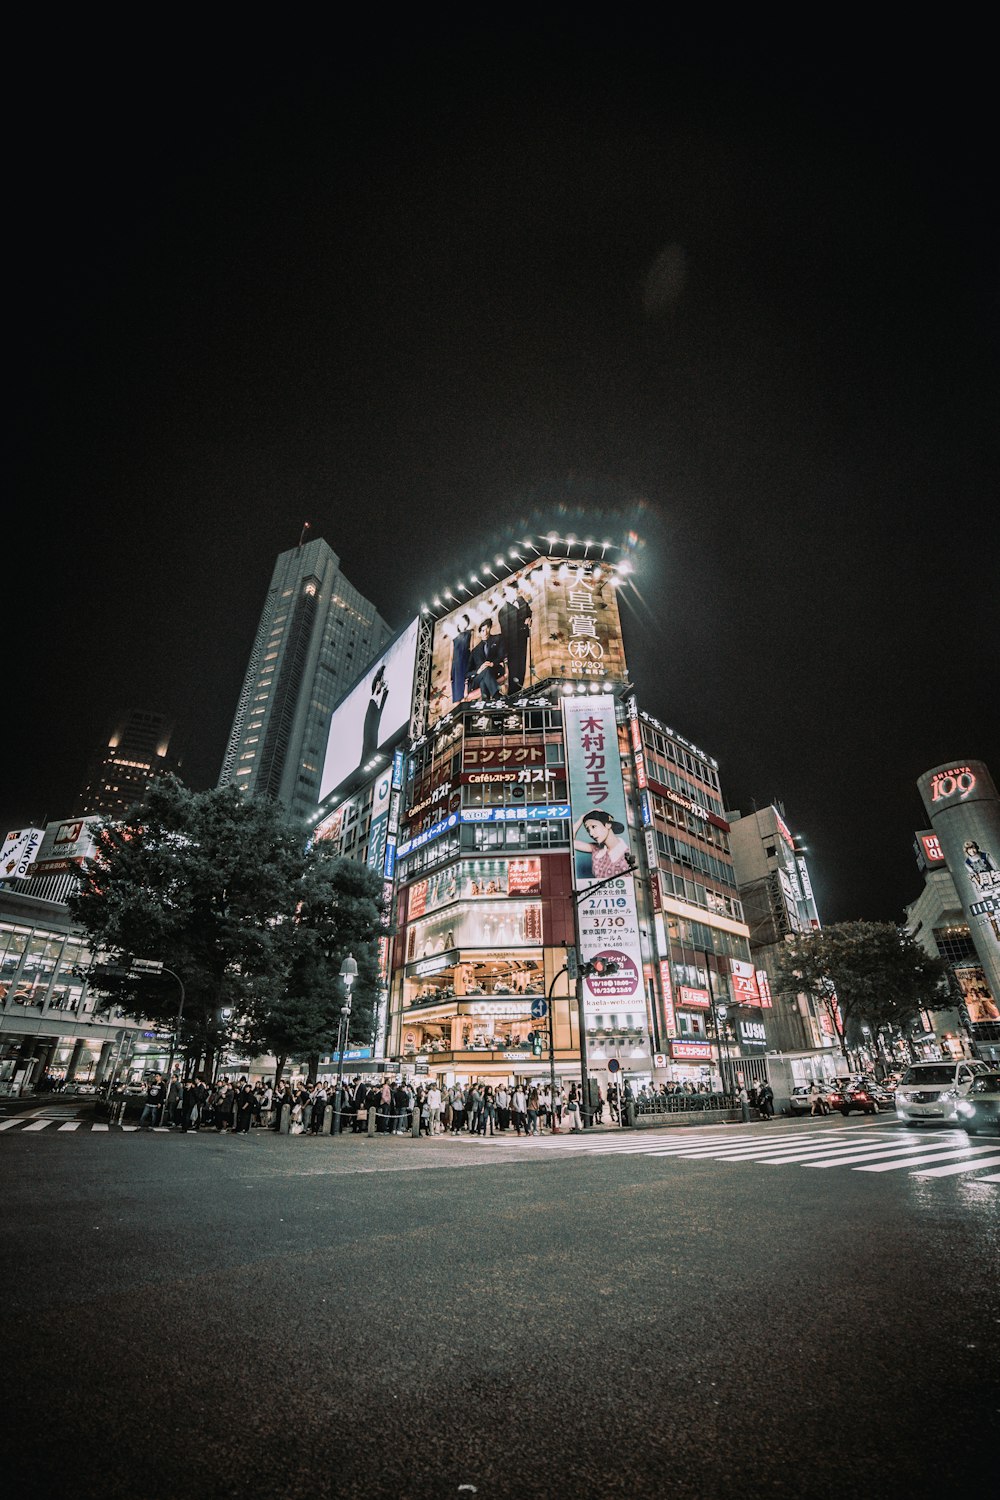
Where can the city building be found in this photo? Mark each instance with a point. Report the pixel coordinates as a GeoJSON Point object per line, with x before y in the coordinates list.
{"type": "Point", "coordinates": [136, 751]}
{"type": "Point", "coordinates": [778, 901]}
{"type": "Point", "coordinates": [956, 917]}
{"type": "Point", "coordinates": [527, 806]}
{"type": "Point", "coordinates": [316, 633]}
{"type": "Point", "coordinates": [50, 1026]}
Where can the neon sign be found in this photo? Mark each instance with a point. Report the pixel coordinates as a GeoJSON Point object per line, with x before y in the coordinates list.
{"type": "Point", "coordinates": [946, 783]}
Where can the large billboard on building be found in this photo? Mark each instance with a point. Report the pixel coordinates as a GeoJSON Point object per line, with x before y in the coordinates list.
{"type": "Point", "coordinates": [552, 618]}
{"type": "Point", "coordinates": [607, 920]}
{"type": "Point", "coordinates": [372, 714]}
{"type": "Point", "coordinates": [21, 847]}
{"type": "Point", "coordinates": [964, 811]}
{"type": "Point", "coordinates": [65, 846]}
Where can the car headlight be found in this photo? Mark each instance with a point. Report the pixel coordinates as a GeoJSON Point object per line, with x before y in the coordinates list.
{"type": "Point", "coordinates": [965, 1108]}
{"type": "Point", "coordinates": [948, 1094]}
{"type": "Point", "coordinates": [902, 1097]}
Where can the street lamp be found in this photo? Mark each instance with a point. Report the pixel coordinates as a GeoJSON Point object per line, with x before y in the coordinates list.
{"type": "Point", "coordinates": [348, 973]}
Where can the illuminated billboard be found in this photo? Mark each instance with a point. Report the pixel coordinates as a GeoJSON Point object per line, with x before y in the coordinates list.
{"type": "Point", "coordinates": [552, 618]}
{"type": "Point", "coordinates": [66, 846]}
{"type": "Point", "coordinates": [483, 924]}
{"type": "Point", "coordinates": [608, 920]}
{"type": "Point", "coordinates": [372, 714]}
{"type": "Point", "coordinates": [475, 879]}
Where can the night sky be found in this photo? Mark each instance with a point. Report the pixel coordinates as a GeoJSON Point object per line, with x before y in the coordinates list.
{"type": "Point", "coordinates": [431, 289]}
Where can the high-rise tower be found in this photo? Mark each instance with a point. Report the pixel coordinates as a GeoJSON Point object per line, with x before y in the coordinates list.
{"type": "Point", "coordinates": [119, 771]}
{"type": "Point", "coordinates": [316, 634]}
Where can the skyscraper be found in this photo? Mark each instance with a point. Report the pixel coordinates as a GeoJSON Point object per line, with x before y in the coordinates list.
{"type": "Point", "coordinates": [317, 633]}
{"type": "Point", "coordinates": [135, 752]}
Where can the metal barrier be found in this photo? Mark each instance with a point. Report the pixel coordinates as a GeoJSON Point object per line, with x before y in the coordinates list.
{"type": "Point", "coordinates": [684, 1104]}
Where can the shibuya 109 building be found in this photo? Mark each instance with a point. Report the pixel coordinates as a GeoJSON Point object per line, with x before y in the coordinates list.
{"type": "Point", "coordinates": [496, 767]}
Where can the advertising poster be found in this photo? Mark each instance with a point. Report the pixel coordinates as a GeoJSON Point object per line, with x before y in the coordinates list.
{"type": "Point", "coordinates": [552, 618]}
{"type": "Point", "coordinates": [20, 849]}
{"type": "Point", "coordinates": [375, 710]}
{"type": "Point", "coordinates": [487, 924]}
{"type": "Point", "coordinates": [475, 879]}
{"type": "Point", "coordinates": [744, 978]}
{"type": "Point", "coordinates": [976, 997]}
{"type": "Point", "coordinates": [608, 921]}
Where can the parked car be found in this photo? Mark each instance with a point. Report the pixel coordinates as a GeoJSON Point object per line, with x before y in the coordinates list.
{"type": "Point", "coordinates": [929, 1093]}
{"type": "Point", "coordinates": [980, 1110]}
{"type": "Point", "coordinates": [800, 1100]}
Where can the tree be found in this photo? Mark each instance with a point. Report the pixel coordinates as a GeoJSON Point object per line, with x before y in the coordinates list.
{"type": "Point", "coordinates": [203, 882]}
{"type": "Point", "coordinates": [338, 910]}
{"type": "Point", "coordinates": [864, 974]}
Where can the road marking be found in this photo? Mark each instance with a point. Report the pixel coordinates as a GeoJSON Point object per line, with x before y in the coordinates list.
{"type": "Point", "coordinates": [961, 1166]}
{"type": "Point", "coordinates": [993, 1177]}
{"type": "Point", "coordinates": [72, 1125]}
{"type": "Point", "coordinates": [888, 1166]}
{"type": "Point", "coordinates": [100, 1127]}
{"type": "Point", "coordinates": [36, 1125]}
{"type": "Point", "coordinates": [6, 1124]}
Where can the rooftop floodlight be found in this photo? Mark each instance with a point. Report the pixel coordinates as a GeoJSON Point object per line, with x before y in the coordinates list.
{"type": "Point", "coordinates": [437, 602]}
{"type": "Point", "coordinates": [624, 566]}
{"type": "Point", "coordinates": [448, 594]}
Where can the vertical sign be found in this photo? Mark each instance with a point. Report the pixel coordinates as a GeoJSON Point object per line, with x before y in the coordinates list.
{"type": "Point", "coordinates": [608, 920]}
{"type": "Point", "coordinates": [964, 810]}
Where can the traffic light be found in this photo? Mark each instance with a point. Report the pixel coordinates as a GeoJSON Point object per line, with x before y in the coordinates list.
{"type": "Point", "coordinates": [600, 967]}
{"type": "Point", "coordinates": [535, 1038]}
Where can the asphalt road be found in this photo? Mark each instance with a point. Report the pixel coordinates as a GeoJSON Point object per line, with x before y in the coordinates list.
{"type": "Point", "coordinates": [206, 1317]}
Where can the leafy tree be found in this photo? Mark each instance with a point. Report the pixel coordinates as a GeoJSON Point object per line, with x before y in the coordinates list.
{"type": "Point", "coordinates": [338, 912]}
{"type": "Point", "coordinates": [203, 882]}
{"type": "Point", "coordinates": [865, 974]}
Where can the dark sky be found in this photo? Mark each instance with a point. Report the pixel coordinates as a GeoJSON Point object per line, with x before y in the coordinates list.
{"type": "Point", "coordinates": [424, 287]}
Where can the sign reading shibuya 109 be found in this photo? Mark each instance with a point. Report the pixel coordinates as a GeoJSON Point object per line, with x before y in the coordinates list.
{"type": "Point", "coordinates": [552, 618]}
{"type": "Point", "coordinates": [608, 920]}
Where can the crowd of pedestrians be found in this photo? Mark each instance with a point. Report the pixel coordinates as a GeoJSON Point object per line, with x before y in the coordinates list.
{"type": "Point", "coordinates": [520, 1109]}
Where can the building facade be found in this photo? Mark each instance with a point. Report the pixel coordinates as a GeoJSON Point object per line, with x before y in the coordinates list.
{"type": "Point", "coordinates": [532, 806]}
{"type": "Point", "coordinates": [778, 900]}
{"type": "Point", "coordinates": [316, 634]}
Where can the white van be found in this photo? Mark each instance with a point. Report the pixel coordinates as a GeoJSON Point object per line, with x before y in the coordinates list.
{"type": "Point", "coordinates": [929, 1091]}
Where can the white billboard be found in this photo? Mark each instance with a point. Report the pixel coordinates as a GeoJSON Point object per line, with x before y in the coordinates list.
{"type": "Point", "coordinates": [65, 846]}
{"type": "Point", "coordinates": [20, 848]}
{"type": "Point", "coordinates": [372, 713]}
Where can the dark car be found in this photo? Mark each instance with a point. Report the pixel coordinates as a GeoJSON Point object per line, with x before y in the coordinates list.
{"type": "Point", "coordinates": [980, 1109]}
{"type": "Point", "coordinates": [859, 1095]}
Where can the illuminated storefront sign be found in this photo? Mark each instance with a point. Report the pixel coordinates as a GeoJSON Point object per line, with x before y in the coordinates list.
{"type": "Point", "coordinates": [964, 810]}
{"type": "Point", "coordinates": [64, 847]}
{"type": "Point", "coordinates": [378, 830]}
{"type": "Point", "coordinates": [504, 923]}
{"type": "Point", "coordinates": [497, 757]}
{"type": "Point", "coordinates": [960, 782]}
{"type": "Point", "coordinates": [475, 879]}
{"type": "Point", "coordinates": [931, 846]}
{"type": "Point", "coordinates": [435, 831]}
{"type": "Point", "coordinates": [783, 828]}
{"type": "Point", "coordinates": [551, 618]}
{"type": "Point", "coordinates": [764, 989]}
{"type": "Point", "coordinates": [744, 979]}
{"type": "Point", "coordinates": [666, 984]}
{"type": "Point", "coordinates": [690, 1051]}
{"type": "Point", "coordinates": [526, 775]}
{"type": "Point", "coordinates": [514, 814]}
{"type": "Point", "coordinates": [689, 998]}
{"type": "Point", "coordinates": [751, 1034]}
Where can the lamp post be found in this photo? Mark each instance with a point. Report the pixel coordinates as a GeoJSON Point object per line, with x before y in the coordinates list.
{"type": "Point", "coordinates": [348, 973]}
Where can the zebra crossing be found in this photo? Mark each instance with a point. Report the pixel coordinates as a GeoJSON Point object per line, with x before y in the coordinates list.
{"type": "Point", "coordinates": [876, 1149]}
{"type": "Point", "coordinates": [871, 1148]}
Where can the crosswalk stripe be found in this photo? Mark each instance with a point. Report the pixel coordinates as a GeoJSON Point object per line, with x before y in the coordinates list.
{"type": "Point", "coordinates": [37, 1125]}
{"type": "Point", "coordinates": [918, 1161]}
{"type": "Point", "coordinates": [960, 1166]}
{"type": "Point", "coordinates": [71, 1125]}
{"type": "Point", "coordinates": [992, 1177]}
{"type": "Point", "coordinates": [7, 1124]}
{"type": "Point", "coordinates": [894, 1153]}
{"type": "Point", "coordinates": [100, 1127]}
